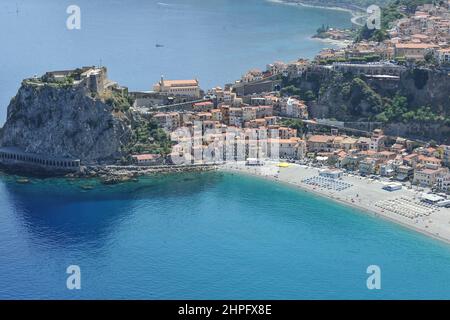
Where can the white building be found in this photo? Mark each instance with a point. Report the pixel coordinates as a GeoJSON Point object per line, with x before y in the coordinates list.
{"type": "Point", "coordinates": [294, 108]}
{"type": "Point", "coordinates": [377, 140]}
{"type": "Point", "coordinates": [443, 182]}
{"type": "Point", "coordinates": [447, 156]}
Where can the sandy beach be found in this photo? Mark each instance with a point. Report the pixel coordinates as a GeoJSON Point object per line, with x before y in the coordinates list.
{"type": "Point", "coordinates": [402, 206]}
{"type": "Point", "coordinates": [356, 14]}
{"type": "Point", "coordinates": [337, 43]}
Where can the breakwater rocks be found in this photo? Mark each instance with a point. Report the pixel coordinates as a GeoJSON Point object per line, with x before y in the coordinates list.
{"type": "Point", "coordinates": [120, 174]}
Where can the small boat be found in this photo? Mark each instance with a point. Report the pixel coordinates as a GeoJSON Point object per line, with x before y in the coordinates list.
{"type": "Point", "coordinates": [23, 181]}
{"type": "Point", "coordinates": [159, 45]}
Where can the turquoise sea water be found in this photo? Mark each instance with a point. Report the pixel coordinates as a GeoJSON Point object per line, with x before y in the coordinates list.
{"type": "Point", "coordinates": [215, 41]}
{"type": "Point", "coordinates": [188, 236]}
{"type": "Point", "coordinates": [205, 236]}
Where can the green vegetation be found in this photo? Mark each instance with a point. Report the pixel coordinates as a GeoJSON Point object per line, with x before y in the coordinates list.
{"type": "Point", "coordinates": [121, 102]}
{"type": "Point", "coordinates": [390, 12]}
{"type": "Point", "coordinates": [294, 124]}
{"type": "Point", "coordinates": [420, 77]}
{"type": "Point", "coordinates": [399, 110]}
{"type": "Point", "coordinates": [360, 94]}
{"type": "Point", "coordinates": [67, 82]}
{"type": "Point", "coordinates": [323, 29]}
{"type": "Point", "coordinates": [320, 32]}
{"type": "Point", "coordinates": [149, 138]}
{"type": "Point", "coordinates": [305, 95]}
{"type": "Point", "coordinates": [352, 98]}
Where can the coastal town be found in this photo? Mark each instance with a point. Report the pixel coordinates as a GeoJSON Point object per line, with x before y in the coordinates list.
{"type": "Point", "coordinates": [226, 156]}
{"type": "Point", "coordinates": [262, 124]}
{"type": "Point", "coordinates": [254, 104]}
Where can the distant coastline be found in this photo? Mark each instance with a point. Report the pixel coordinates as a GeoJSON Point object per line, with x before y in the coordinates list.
{"type": "Point", "coordinates": [356, 14]}
{"type": "Point", "coordinates": [337, 43]}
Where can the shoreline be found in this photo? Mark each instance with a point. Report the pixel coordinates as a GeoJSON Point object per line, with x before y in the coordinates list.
{"type": "Point", "coordinates": [110, 174]}
{"type": "Point", "coordinates": [434, 223]}
{"type": "Point", "coordinates": [355, 13]}
{"type": "Point", "coordinates": [337, 43]}
{"type": "Point", "coordinates": [355, 16]}
{"type": "Point", "coordinates": [367, 191]}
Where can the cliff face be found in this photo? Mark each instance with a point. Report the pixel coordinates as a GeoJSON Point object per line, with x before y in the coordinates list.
{"type": "Point", "coordinates": [357, 98]}
{"type": "Point", "coordinates": [65, 121]}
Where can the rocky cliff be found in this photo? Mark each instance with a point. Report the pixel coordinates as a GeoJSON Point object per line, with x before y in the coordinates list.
{"type": "Point", "coordinates": [63, 120]}
{"type": "Point", "coordinates": [415, 105]}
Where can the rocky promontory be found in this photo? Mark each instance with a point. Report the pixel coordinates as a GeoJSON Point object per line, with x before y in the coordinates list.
{"type": "Point", "coordinates": [70, 114]}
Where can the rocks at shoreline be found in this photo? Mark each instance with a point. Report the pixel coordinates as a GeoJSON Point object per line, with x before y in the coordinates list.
{"type": "Point", "coordinates": [110, 175]}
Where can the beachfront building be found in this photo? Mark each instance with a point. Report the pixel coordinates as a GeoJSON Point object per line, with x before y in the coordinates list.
{"type": "Point", "coordinates": [320, 143]}
{"type": "Point", "coordinates": [443, 182]}
{"type": "Point", "coordinates": [427, 177]}
{"type": "Point", "coordinates": [292, 148]}
{"type": "Point", "coordinates": [369, 166]}
{"type": "Point", "coordinates": [185, 88]}
{"type": "Point", "coordinates": [351, 161]}
{"type": "Point", "coordinates": [446, 155]}
{"type": "Point", "coordinates": [387, 169]}
{"type": "Point", "coordinates": [325, 143]}
{"type": "Point", "coordinates": [332, 174]}
{"type": "Point", "coordinates": [429, 162]}
{"type": "Point", "coordinates": [147, 159]}
{"type": "Point", "coordinates": [403, 173]}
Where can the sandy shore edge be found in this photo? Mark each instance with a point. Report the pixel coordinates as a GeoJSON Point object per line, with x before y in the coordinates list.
{"type": "Point", "coordinates": [355, 13]}
{"type": "Point", "coordinates": [360, 208]}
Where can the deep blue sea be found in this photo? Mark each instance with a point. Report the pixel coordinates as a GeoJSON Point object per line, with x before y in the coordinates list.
{"type": "Point", "coordinates": [205, 236]}
{"type": "Point", "coordinates": [202, 236]}
{"type": "Point", "coordinates": [215, 41]}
